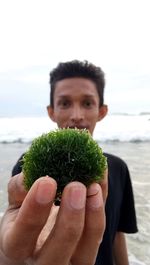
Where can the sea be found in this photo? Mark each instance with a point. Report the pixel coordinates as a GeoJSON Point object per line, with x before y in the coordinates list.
{"type": "Point", "coordinates": [125, 135]}
{"type": "Point", "coordinates": [115, 127]}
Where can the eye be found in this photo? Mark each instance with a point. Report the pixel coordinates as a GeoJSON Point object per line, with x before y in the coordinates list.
{"type": "Point", "coordinates": [64, 103]}
{"type": "Point", "coordinates": [87, 103]}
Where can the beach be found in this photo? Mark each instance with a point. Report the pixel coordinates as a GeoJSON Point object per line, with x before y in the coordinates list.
{"type": "Point", "coordinates": [136, 155]}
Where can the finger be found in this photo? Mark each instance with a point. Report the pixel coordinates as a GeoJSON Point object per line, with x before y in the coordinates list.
{"type": "Point", "coordinates": [20, 239]}
{"type": "Point", "coordinates": [48, 227]}
{"type": "Point", "coordinates": [68, 228]}
{"type": "Point", "coordinates": [88, 246]}
{"type": "Point", "coordinates": [16, 191]}
{"type": "Point", "coordinates": [104, 185]}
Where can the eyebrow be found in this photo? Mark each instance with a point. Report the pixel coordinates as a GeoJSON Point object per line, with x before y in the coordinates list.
{"type": "Point", "coordinates": [84, 96]}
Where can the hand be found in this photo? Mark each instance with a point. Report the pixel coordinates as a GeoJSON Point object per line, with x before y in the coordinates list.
{"type": "Point", "coordinates": [34, 231]}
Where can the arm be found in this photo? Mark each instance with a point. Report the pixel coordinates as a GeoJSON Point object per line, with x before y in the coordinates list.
{"type": "Point", "coordinates": [120, 249]}
{"type": "Point", "coordinates": [127, 222]}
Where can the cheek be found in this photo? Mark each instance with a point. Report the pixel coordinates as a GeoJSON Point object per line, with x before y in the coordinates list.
{"type": "Point", "coordinates": [93, 116]}
{"type": "Point", "coordinates": [62, 116]}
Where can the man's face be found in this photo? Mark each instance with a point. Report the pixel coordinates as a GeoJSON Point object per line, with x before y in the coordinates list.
{"type": "Point", "coordinates": [76, 104]}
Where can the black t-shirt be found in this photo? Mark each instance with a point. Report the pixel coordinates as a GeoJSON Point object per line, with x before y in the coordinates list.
{"type": "Point", "coordinates": [120, 210]}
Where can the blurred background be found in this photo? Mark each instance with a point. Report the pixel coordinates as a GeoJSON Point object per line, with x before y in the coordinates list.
{"type": "Point", "coordinates": [113, 34]}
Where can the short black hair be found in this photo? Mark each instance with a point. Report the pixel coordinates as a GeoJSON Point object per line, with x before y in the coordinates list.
{"type": "Point", "coordinates": [77, 68]}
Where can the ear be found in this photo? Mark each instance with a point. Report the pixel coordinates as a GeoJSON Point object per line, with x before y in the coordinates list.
{"type": "Point", "coordinates": [50, 112]}
{"type": "Point", "coordinates": [103, 110]}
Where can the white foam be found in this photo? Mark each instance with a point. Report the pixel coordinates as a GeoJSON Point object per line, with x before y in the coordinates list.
{"type": "Point", "coordinates": [141, 183]}
{"type": "Point", "coordinates": [134, 261]}
{"type": "Point", "coordinates": [112, 128]}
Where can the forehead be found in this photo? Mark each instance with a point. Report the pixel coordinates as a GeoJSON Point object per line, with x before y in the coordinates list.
{"type": "Point", "coordinates": [75, 86]}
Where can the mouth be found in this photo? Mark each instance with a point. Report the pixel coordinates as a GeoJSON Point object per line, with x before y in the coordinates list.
{"type": "Point", "coordinates": [78, 127]}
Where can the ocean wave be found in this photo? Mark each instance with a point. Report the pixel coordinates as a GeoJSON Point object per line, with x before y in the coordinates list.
{"type": "Point", "coordinates": [107, 141]}
{"type": "Point", "coordinates": [15, 141]}
{"type": "Point", "coordinates": [141, 183]}
{"type": "Point", "coordinates": [134, 261]}
{"type": "Point", "coordinates": [114, 128]}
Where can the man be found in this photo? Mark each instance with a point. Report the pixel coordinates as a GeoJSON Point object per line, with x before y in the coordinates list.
{"type": "Point", "coordinates": [77, 100]}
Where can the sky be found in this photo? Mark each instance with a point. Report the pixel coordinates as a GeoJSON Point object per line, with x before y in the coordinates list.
{"type": "Point", "coordinates": [36, 35]}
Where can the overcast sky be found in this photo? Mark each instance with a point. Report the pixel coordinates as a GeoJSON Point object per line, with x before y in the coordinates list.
{"type": "Point", "coordinates": [36, 35]}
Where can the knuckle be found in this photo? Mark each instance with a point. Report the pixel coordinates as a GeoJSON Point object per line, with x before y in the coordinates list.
{"type": "Point", "coordinates": [72, 231]}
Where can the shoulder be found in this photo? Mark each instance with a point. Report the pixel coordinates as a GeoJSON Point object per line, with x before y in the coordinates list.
{"type": "Point", "coordinates": [115, 162]}
{"type": "Point", "coordinates": [118, 173]}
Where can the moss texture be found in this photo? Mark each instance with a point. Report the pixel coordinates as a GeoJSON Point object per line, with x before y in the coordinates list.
{"type": "Point", "coordinates": [66, 155]}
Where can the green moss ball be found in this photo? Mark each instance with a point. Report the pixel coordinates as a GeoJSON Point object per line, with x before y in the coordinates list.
{"type": "Point", "coordinates": [65, 155]}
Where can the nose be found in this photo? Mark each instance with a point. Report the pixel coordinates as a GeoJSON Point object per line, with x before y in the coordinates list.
{"type": "Point", "coordinates": [77, 114]}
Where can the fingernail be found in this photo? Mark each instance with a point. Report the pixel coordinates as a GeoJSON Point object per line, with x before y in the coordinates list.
{"type": "Point", "coordinates": [77, 196]}
{"type": "Point", "coordinates": [93, 189]}
{"type": "Point", "coordinates": [45, 191]}
{"type": "Point", "coordinates": [94, 196]}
